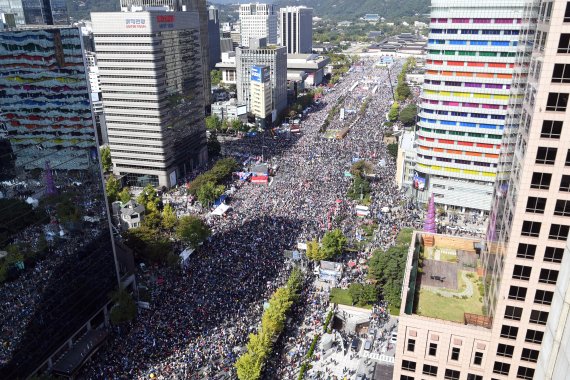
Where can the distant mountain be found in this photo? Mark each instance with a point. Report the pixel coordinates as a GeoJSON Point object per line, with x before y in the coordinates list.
{"type": "Point", "coordinates": [350, 9]}
{"type": "Point", "coordinates": [80, 9]}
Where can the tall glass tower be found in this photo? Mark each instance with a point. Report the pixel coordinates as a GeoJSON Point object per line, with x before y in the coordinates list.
{"type": "Point", "coordinates": [57, 262]}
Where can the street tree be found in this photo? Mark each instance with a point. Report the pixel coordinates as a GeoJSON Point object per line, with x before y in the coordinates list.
{"type": "Point", "coordinates": [213, 123]}
{"type": "Point", "coordinates": [125, 308]}
{"type": "Point", "coordinates": [333, 243]}
{"type": "Point", "coordinates": [209, 192]}
{"type": "Point", "coordinates": [106, 159]}
{"type": "Point", "coordinates": [113, 186]}
{"type": "Point", "coordinates": [408, 114]}
{"type": "Point", "coordinates": [214, 146]}
{"type": "Point", "coordinates": [125, 195]}
{"type": "Point", "coordinates": [394, 112]}
{"type": "Point", "coordinates": [192, 230]}
{"type": "Point", "coordinates": [168, 218]}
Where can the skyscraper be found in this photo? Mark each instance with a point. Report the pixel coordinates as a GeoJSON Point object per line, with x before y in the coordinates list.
{"type": "Point", "coordinates": [525, 271]}
{"type": "Point", "coordinates": [57, 265]}
{"type": "Point", "coordinates": [150, 68]}
{"type": "Point", "coordinates": [189, 6]}
{"type": "Point", "coordinates": [45, 12]}
{"type": "Point", "coordinates": [273, 57]}
{"type": "Point", "coordinates": [469, 66]}
{"type": "Point", "coordinates": [214, 36]}
{"type": "Point", "coordinates": [257, 21]}
{"type": "Point", "coordinates": [296, 29]}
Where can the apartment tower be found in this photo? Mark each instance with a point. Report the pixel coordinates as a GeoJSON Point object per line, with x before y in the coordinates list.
{"type": "Point", "coordinates": [296, 29]}
{"type": "Point", "coordinates": [469, 66]}
{"type": "Point", "coordinates": [58, 263]}
{"type": "Point", "coordinates": [257, 21]}
{"type": "Point", "coordinates": [150, 68]}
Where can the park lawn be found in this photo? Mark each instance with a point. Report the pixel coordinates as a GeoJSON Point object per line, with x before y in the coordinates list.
{"type": "Point", "coordinates": [340, 296]}
{"type": "Point", "coordinates": [431, 304]}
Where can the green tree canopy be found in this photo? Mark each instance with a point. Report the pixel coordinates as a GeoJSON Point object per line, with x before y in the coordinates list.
{"type": "Point", "coordinates": [148, 195]}
{"type": "Point", "coordinates": [394, 112]}
{"type": "Point", "coordinates": [192, 230]}
{"type": "Point", "coordinates": [403, 91]}
{"type": "Point", "coordinates": [408, 114]}
{"type": "Point", "coordinates": [333, 243]}
{"type": "Point", "coordinates": [113, 186]}
{"type": "Point", "coordinates": [148, 244]}
{"type": "Point", "coordinates": [361, 168]}
{"type": "Point", "coordinates": [214, 146]}
{"type": "Point", "coordinates": [106, 159]}
{"type": "Point", "coordinates": [209, 192]}
{"type": "Point", "coordinates": [125, 308]}
{"type": "Point", "coordinates": [125, 195]}
{"type": "Point", "coordinates": [213, 123]}
{"type": "Point", "coordinates": [360, 188]}
{"type": "Point", "coordinates": [215, 77]}
{"type": "Point", "coordinates": [169, 219]}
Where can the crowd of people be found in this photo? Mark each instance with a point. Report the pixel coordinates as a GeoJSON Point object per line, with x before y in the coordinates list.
{"type": "Point", "coordinates": [199, 320]}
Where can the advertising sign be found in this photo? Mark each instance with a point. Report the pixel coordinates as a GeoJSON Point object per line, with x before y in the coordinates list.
{"type": "Point", "coordinates": [260, 74]}
{"type": "Point", "coordinates": [419, 183]}
{"type": "Point", "coordinates": [165, 21]}
{"type": "Point", "coordinates": [132, 23]}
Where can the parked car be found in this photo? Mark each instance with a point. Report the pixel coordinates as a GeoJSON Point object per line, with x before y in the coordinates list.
{"type": "Point", "coordinates": [354, 344]}
{"type": "Point", "coordinates": [394, 337]}
{"type": "Point", "coordinates": [368, 345]}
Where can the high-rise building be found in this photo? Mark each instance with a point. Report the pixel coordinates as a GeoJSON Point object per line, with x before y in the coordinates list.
{"type": "Point", "coordinates": [13, 7]}
{"type": "Point", "coordinates": [469, 66]}
{"type": "Point", "coordinates": [273, 57]}
{"type": "Point", "coordinates": [523, 289]}
{"type": "Point", "coordinates": [57, 265]}
{"type": "Point", "coordinates": [257, 21]}
{"type": "Point", "coordinates": [296, 29]}
{"type": "Point", "coordinates": [214, 36]}
{"type": "Point", "coordinates": [260, 91]}
{"type": "Point", "coordinates": [45, 12]}
{"type": "Point", "coordinates": [150, 68]}
{"type": "Point", "coordinates": [184, 6]}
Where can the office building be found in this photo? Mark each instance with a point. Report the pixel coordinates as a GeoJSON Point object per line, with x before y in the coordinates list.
{"type": "Point", "coordinates": [296, 29]}
{"type": "Point", "coordinates": [464, 100]}
{"type": "Point", "coordinates": [260, 90]}
{"type": "Point", "coordinates": [54, 297]}
{"type": "Point", "coordinates": [45, 12]}
{"type": "Point", "coordinates": [522, 260]}
{"type": "Point", "coordinates": [228, 67]}
{"type": "Point", "coordinates": [152, 93]}
{"type": "Point", "coordinates": [214, 36]}
{"type": "Point", "coordinates": [405, 160]}
{"type": "Point", "coordinates": [273, 57]}
{"type": "Point", "coordinates": [226, 45]}
{"type": "Point", "coordinates": [230, 110]}
{"type": "Point", "coordinates": [310, 66]}
{"type": "Point", "coordinates": [198, 6]}
{"type": "Point", "coordinates": [257, 21]}
{"type": "Point", "coordinates": [15, 8]}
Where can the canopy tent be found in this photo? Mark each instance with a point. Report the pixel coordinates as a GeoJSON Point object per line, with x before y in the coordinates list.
{"type": "Point", "coordinates": [221, 209]}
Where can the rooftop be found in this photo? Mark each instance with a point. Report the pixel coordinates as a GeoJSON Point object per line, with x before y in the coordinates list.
{"type": "Point", "coordinates": [444, 278]}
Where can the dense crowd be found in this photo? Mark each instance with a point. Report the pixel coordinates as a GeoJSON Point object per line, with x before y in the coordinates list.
{"type": "Point", "coordinates": [200, 320]}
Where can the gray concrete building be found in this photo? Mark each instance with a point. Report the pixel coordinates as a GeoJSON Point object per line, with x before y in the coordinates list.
{"type": "Point", "coordinates": [150, 68]}
{"type": "Point", "coordinates": [273, 56]}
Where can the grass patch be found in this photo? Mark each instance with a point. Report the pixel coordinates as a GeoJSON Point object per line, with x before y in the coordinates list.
{"type": "Point", "coordinates": [340, 296]}
{"type": "Point", "coordinates": [431, 304]}
{"type": "Point", "coordinates": [405, 236]}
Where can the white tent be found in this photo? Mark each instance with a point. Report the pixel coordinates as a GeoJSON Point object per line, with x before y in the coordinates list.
{"type": "Point", "coordinates": [221, 209]}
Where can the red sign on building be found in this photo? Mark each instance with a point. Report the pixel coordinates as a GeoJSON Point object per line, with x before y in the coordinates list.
{"type": "Point", "coordinates": [165, 18]}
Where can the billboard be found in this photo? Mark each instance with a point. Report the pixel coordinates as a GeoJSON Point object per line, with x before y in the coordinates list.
{"type": "Point", "coordinates": [260, 74]}
{"type": "Point", "coordinates": [419, 183]}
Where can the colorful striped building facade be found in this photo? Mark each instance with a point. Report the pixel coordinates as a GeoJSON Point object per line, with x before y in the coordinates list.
{"type": "Point", "coordinates": [469, 69]}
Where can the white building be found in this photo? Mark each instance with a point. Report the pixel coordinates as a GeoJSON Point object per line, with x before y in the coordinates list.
{"type": "Point", "coordinates": [260, 91]}
{"type": "Point", "coordinates": [272, 56]}
{"type": "Point", "coordinates": [228, 67]}
{"type": "Point", "coordinates": [230, 110]}
{"type": "Point", "coordinates": [153, 100]}
{"type": "Point", "coordinates": [258, 21]}
{"type": "Point", "coordinates": [406, 160]}
{"type": "Point", "coordinates": [296, 31]}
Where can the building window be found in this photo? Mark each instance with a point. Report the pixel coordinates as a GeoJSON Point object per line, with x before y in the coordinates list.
{"type": "Point", "coordinates": [565, 183]}
{"type": "Point", "coordinates": [546, 155]}
{"type": "Point", "coordinates": [567, 12]}
{"type": "Point", "coordinates": [551, 129]}
{"type": "Point", "coordinates": [543, 297]}
{"type": "Point", "coordinates": [429, 370]}
{"type": "Point", "coordinates": [538, 317]}
{"type": "Point", "coordinates": [548, 276]}
{"type": "Point", "coordinates": [533, 336]}
{"type": "Point", "coordinates": [562, 208]}
{"type": "Point", "coordinates": [451, 374]}
{"type": "Point", "coordinates": [529, 355]}
{"type": "Point", "coordinates": [561, 73]}
{"type": "Point", "coordinates": [564, 43]}
{"type": "Point", "coordinates": [553, 255]}
{"type": "Point", "coordinates": [517, 293]}
{"type": "Point", "coordinates": [535, 205]}
{"type": "Point", "coordinates": [501, 368]}
{"type": "Point", "coordinates": [540, 181]}
{"type": "Point", "coordinates": [409, 365]}
{"type": "Point", "coordinates": [513, 312]}
{"type": "Point", "coordinates": [432, 349]}
{"type": "Point", "coordinates": [406, 377]}
{"type": "Point", "coordinates": [530, 228]}
{"type": "Point", "coordinates": [521, 272]}
{"type": "Point", "coordinates": [525, 373]}
{"type": "Point", "coordinates": [558, 232]}
{"type": "Point", "coordinates": [455, 353]}
{"type": "Point", "coordinates": [505, 350]}
{"type": "Point", "coordinates": [509, 332]}
{"type": "Point", "coordinates": [526, 251]}
{"type": "Point", "coordinates": [471, 376]}
{"type": "Point", "coordinates": [411, 345]}
{"type": "Point", "coordinates": [567, 162]}
{"type": "Point", "coordinates": [557, 101]}
{"type": "Point", "coordinates": [478, 358]}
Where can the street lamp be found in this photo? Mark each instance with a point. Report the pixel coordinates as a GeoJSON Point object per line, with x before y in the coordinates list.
{"type": "Point", "coordinates": [390, 81]}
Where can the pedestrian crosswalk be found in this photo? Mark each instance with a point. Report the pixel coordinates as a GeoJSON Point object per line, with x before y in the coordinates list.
{"type": "Point", "coordinates": [380, 357]}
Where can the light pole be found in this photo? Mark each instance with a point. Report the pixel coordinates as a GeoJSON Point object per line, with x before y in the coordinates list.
{"type": "Point", "coordinates": [390, 81]}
